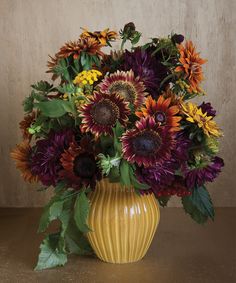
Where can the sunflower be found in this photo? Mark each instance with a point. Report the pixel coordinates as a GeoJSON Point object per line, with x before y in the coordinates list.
{"type": "Point", "coordinates": [191, 64]}
{"type": "Point", "coordinates": [89, 45]}
{"type": "Point", "coordinates": [22, 155]}
{"type": "Point", "coordinates": [147, 144]}
{"type": "Point", "coordinates": [80, 166]}
{"type": "Point", "coordinates": [126, 85]}
{"type": "Point", "coordinates": [103, 37]}
{"type": "Point", "coordinates": [102, 113]}
{"type": "Point", "coordinates": [162, 111]}
{"type": "Point", "coordinates": [195, 115]}
{"type": "Point", "coordinates": [25, 125]}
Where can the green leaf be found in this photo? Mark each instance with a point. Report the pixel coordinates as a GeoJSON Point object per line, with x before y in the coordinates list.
{"type": "Point", "coordinates": [55, 108]}
{"type": "Point", "coordinates": [136, 184]}
{"type": "Point", "coordinates": [81, 211]}
{"type": "Point", "coordinates": [118, 130]}
{"type": "Point", "coordinates": [85, 60]}
{"type": "Point", "coordinates": [202, 200]}
{"type": "Point", "coordinates": [125, 173]}
{"type": "Point", "coordinates": [136, 38]}
{"type": "Point", "coordinates": [43, 86]}
{"type": "Point", "coordinates": [114, 175]}
{"type": "Point", "coordinates": [52, 109]}
{"type": "Point", "coordinates": [28, 104]}
{"type": "Point", "coordinates": [62, 69]}
{"type": "Point", "coordinates": [67, 88]}
{"type": "Point", "coordinates": [50, 253]}
{"type": "Point", "coordinates": [51, 212]}
{"type": "Point", "coordinates": [193, 211]}
{"type": "Point", "coordinates": [60, 186]}
{"type": "Point", "coordinates": [76, 242]}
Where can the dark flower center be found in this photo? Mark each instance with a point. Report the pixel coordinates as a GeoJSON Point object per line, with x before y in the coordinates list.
{"type": "Point", "coordinates": [85, 166]}
{"type": "Point", "coordinates": [125, 90]}
{"type": "Point", "coordinates": [160, 117]}
{"type": "Point", "coordinates": [146, 143]}
{"type": "Point", "coordinates": [105, 112]}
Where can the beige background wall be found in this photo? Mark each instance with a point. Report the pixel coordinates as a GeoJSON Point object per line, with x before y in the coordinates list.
{"type": "Point", "coordinates": [32, 29]}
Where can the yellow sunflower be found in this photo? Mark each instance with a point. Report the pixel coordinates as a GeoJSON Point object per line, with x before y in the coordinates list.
{"type": "Point", "coordinates": [195, 115]}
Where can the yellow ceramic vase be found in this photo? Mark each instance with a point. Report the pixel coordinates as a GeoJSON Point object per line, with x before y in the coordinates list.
{"type": "Point", "coordinates": [123, 223]}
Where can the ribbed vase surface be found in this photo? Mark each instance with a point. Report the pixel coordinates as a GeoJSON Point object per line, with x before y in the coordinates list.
{"type": "Point", "coordinates": [123, 223]}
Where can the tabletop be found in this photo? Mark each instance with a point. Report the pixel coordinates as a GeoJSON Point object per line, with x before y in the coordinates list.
{"type": "Point", "coordinates": [182, 251]}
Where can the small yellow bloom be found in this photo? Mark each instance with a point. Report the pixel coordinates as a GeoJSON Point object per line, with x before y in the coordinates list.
{"type": "Point", "coordinates": [87, 77]}
{"type": "Point", "coordinates": [195, 115]}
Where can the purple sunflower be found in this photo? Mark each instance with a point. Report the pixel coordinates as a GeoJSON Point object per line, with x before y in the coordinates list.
{"type": "Point", "coordinates": [126, 85]}
{"type": "Point", "coordinates": [147, 144]}
{"type": "Point", "coordinates": [102, 112]}
{"type": "Point", "coordinates": [198, 176]}
{"type": "Point", "coordinates": [46, 157]}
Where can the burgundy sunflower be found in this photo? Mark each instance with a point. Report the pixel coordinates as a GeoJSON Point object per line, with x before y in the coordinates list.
{"type": "Point", "coordinates": [102, 113]}
{"type": "Point", "coordinates": [80, 166]}
{"type": "Point", "coordinates": [147, 144]}
{"type": "Point", "coordinates": [126, 85]}
{"type": "Point", "coordinates": [163, 112]}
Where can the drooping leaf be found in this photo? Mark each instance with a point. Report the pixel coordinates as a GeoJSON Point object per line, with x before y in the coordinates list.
{"type": "Point", "coordinates": [51, 212]}
{"type": "Point", "coordinates": [76, 242]}
{"type": "Point", "coordinates": [193, 211]}
{"type": "Point", "coordinates": [202, 200]}
{"type": "Point", "coordinates": [50, 253]}
{"type": "Point", "coordinates": [81, 212]}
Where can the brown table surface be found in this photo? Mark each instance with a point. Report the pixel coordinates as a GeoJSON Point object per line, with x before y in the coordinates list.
{"type": "Point", "coordinates": [182, 251]}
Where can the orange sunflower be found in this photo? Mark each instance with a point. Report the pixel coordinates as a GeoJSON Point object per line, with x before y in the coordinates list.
{"type": "Point", "coordinates": [162, 111]}
{"type": "Point", "coordinates": [103, 37]}
{"type": "Point", "coordinates": [22, 155]}
{"type": "Point", "coordinates": [191, 65]}
{"type": "Point", "coordinates": [88, 45]}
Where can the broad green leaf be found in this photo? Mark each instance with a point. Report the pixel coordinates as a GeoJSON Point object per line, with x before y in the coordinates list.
{"type": "Point", "coordinates": [53, 108]}
{"type": "Point", "coordinates": [51, 212]}
{"type": "Point", "coordinates": [202, 200]}
{"type": "Point", "coordinates": [50, 253]}
{"type": "Point", "coordinates": [81, 211]}
{"type": "Point", "coordinates": [193, 211]}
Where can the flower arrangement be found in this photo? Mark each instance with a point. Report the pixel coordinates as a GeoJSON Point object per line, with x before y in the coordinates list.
{"type": "Point", "coordinates": [125, 116]}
